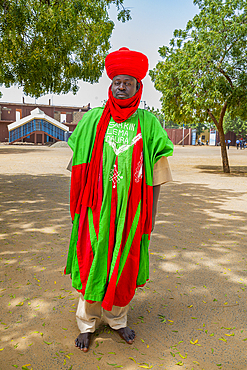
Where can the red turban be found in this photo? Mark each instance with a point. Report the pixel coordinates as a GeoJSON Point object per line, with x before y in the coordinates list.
{"type": "Point", "coordinates": [126, 62]}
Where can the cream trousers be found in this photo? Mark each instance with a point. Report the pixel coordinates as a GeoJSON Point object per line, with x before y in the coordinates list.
{"type": "Point", "coordinates": [88, 316]}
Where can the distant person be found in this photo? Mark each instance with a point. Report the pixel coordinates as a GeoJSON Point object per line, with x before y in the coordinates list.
{"type": "Point", "coordinates": [241, 143]}
{"type": "Point", "coordinates": [207, 142]}
{"type": "Point", "coordinates": [228, 143]}
{"type": "Point", "coordinates": [237, 143]}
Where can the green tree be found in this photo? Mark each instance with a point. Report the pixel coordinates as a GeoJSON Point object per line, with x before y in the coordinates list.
{"type": "Point", "coordinates": [161, 117]}
{"type": "Point", "coordinates": [203, 74]}
{"type": "Point", "coordinates": [236, 125]}
{"type": "Point", "coordinates": [200, 127]}
{"type": "Point", "coordinates": [158, 114]}
{"type": "Point", "coordinates": [46, 46]}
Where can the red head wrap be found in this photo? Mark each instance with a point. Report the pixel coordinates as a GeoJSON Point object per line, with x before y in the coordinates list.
{"type": "Point", "coordinates": [126, 62]}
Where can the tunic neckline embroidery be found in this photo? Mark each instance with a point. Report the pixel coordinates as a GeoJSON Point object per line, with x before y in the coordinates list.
{"type": "Point", "coordinates": [125, 147]}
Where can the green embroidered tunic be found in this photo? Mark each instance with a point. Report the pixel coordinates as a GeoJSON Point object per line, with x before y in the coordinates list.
{"type": "Point", "coordinates": [108, 254]}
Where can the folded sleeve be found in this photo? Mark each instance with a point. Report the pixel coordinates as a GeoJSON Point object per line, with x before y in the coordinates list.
{"type": "Point", "coordinates": [161, 172]}
{"type": "Point", "coordinates": [69, 167]}
{"type": "Point", "coordinates": [161, 144]}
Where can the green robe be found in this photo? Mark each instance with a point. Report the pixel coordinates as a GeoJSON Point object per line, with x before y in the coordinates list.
{"type": "Point", "coordinates": [108, 254]}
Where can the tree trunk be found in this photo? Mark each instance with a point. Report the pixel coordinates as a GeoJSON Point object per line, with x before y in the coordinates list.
{"type": "Point", "coordinates": [224, 155]}
{"type": "Point", "coordinates": [219, 125]}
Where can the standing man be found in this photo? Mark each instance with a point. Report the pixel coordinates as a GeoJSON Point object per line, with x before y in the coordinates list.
{"type": "Point", "coordinates": [113, 185]}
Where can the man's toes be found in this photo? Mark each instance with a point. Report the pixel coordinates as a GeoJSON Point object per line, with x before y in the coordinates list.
{"type": "Point", "coordinates": [86, 345]}
{"type": "Point", "coordinates": [81, 346]}
{"type": "Point", "coordinates": [132, 335]}
{"type": "Point", "coordinates": [127, 334]}
{"type": "Point", "coordinates": [83, 341]}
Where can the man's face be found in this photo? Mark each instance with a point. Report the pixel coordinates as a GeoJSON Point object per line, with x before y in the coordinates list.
{"type": "Point", "coordinates": [124, 86]}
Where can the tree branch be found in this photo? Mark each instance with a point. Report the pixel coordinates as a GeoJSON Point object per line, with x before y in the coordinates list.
{"type": "Point", "coordinates": [222, 113]}
{"type": "Point", "coordinates": [213, 118]}
{"type": "Point", "coordinates": [226, 76]}
{"type": "Point", "coordinates": [226, 51]}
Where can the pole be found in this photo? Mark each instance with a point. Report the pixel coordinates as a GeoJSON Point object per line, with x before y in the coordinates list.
{"type": "Point", "coordinates": [183, 134]}
{"type": "Point", "coordinates": [144, 103]}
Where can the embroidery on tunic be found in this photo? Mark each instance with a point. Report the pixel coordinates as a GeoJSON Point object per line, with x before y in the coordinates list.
{"type": "Point", "coordinates": [125, 147]}
{"type": "Point", "coordinates": [115, 176]}
{"type": "Point", "coordinates": [138, 171]}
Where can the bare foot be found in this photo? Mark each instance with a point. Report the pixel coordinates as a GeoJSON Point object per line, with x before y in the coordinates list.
{"type": "Point", "coordinates": [127, 334]}
{"type": "Point", "coordinates": [83, 341]}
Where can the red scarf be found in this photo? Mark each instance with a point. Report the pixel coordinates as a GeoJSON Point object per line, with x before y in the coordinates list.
{"type": "Point", "coordinates": [120, 110]}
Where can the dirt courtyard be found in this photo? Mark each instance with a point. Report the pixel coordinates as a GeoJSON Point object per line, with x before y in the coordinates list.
{"type": "Point", "coordinates": [192, 312]}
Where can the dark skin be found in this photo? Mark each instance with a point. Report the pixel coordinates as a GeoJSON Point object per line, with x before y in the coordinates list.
{"type": "Point", "coordinates": [83, 341]}
{"type": "Point", "coordinates": [123, 87]}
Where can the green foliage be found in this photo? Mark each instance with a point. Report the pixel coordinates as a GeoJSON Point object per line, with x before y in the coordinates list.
{"type": "Point", "coordinates": [171, 124]}
{"type": "Point", "coordinates": [46, 46]}
{"type": "Point", "coordinates": [204, 68]}
{"type": "Point", "coordinates": [161, 117]}
{"type": "Point", "coordinates": [158, 114]}
{"type": "Point", "coordinates": [203, 73]}
{"type": "Point", "coordinates": [200, 127]}
{"type": "Point", "coordinates": [236, 125]}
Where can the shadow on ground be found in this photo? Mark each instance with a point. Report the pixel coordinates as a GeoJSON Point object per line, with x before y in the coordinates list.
{"type": "Point", "coordinates": [238, 171]}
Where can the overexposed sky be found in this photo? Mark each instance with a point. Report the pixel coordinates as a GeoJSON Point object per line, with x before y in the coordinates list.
{"type": "Point", "coordinates": [152, 26]}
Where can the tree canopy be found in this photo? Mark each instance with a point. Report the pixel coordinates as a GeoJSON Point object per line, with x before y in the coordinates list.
{"type": "Point", "coordinates": [161, 117]}
{"type": "Point", "coordinates": [46, 46]}
{"type": "Point", "coordinates": [158, 114]}
{"type": "Point", "coordinates": [204, 71]}
{"type": "Point", "coordinates": [236, 125]}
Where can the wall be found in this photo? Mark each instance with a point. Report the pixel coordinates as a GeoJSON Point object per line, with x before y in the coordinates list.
{"type": "Point", "coordinates": [176, 135]}
{"type": "Point", "coordinates": [204, 136]}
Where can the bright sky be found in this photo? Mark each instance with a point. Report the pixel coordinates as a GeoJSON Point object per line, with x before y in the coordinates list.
{"type": "Point", "coordinates": [152, 26]}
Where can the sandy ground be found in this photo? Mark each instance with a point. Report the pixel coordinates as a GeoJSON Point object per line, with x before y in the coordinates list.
{"type": "Point", "coordinates": [191, 314]}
